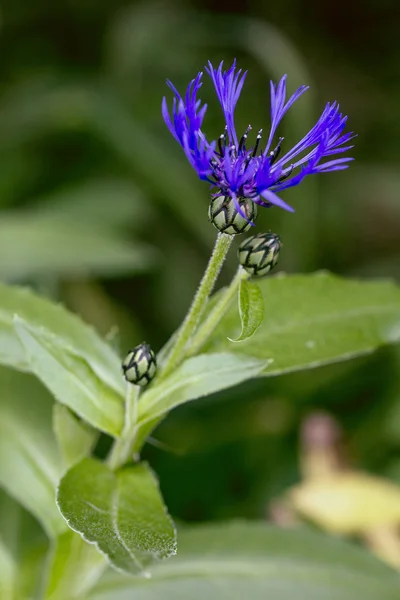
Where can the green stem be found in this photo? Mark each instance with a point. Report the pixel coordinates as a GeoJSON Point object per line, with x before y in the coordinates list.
{"type": "Point", "coordinates": [198, 340]}
{"type": "Point", "coordinates": [215, 316]}
{"type": "Point", "coordinates": [122, 448]}
{"type": "Point", "coordinates": [196, 310]}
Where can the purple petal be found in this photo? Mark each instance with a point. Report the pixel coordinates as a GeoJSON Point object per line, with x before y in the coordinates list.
{"type": "Point", "coordinates": [167, 118]}
{"type": "Point", "coordinates": [228, 86]}
{"type": "Point", "coordinates": [274, 199]}
{"type": "Point", "coordinates": [278, 106]}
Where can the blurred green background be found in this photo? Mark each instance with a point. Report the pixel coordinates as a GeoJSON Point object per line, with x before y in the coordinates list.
{"type": "Point", "coordinates": [101, 211]}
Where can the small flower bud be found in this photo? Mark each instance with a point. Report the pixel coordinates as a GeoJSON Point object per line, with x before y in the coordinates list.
{"type": "Point", "coordinates": [140, 365]}
{"type": "Point", "coordinates": [225, 217]}
{"type": "Point", "coordinates": [259, 254]}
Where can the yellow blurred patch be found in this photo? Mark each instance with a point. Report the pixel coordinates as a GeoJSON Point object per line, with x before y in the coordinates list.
{"type": "Point", "coordinates": [348, 502]}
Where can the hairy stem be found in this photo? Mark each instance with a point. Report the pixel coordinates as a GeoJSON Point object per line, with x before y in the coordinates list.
{"type": "Point", "coordinates": [122, 448]}
{"type": "Point", "coordinates": [215, 316]}
{"type": "Point", "coordinates": [196, 310]}
{"type": "Point", "coordinates": [197, 341]}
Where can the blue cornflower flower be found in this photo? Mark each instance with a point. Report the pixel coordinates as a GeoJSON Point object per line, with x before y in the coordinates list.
{"type": "Point", "coordinates": [256, 173]}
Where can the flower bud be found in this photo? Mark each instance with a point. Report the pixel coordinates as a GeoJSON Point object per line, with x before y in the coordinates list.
{"type": "Point", "coordinates": [225, 217]}
{"type": "Point", "coordinates": [259, 254]}
{"type": "Point", "coordinates": [140, 365]}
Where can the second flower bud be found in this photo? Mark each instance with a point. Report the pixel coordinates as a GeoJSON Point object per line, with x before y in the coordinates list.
{"type": "Point", "coordinates": [259, 254]}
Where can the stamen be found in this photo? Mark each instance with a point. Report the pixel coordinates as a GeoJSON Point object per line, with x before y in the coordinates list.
{"type": "Point", "coordinates": [223, 140]}
{"type": "Point", "coordinates": [226, 135]}
{"type": "Point", "coordinates": [258, 139]}
{"type": "Point", "coordinates": [275, 153]}
{"type": "Point", "coordinates": [220, 147]}
{"type": "Point", "coordinates": [242, 143]}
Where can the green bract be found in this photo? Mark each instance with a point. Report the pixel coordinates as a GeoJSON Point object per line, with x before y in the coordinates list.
{"type": "Point", "coordinates": [226, 218]}
{"type": "Point", "coordinates": [140, 365]}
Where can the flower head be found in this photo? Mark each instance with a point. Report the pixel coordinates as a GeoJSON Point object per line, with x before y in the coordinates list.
{"type": "Point", "coordinates": [259, 172]}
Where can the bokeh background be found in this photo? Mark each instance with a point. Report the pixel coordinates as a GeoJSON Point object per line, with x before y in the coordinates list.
{"type": "Point", "coordinates": [100, 210]}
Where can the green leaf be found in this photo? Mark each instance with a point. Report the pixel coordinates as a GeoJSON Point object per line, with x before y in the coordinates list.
{"type": "Point", "coordinates": [8, 563]}
{"type": "Point", "coordinates": [257, 561]}
{"type": "Point", "coordinates": [122, 513]}
{"type": "Point", "coordinates": [312, 320]}
{"type": "Point", "coordinates": [251, 309]}
{"type": "Point", "coordinates": [30, 465]}
{"type": "Point", "coordinates": [22, 549]}
{"type": "Point", "coordinates": [113, 203]}
{"type": "Point", "coordinates": [70, 333]}
{"type": "Point", "coordinates": [75, 438]}
{"type": "Point", "coordinates": [35, 246]}
{"type": "Point", "coordinates": [70, 379]}
{"type": "Point", "coordinates": [7, 573]}
{"type": "Point", "coordinates": [196, 377]}
{"type": "Point", "coordinates": [73, 568]}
